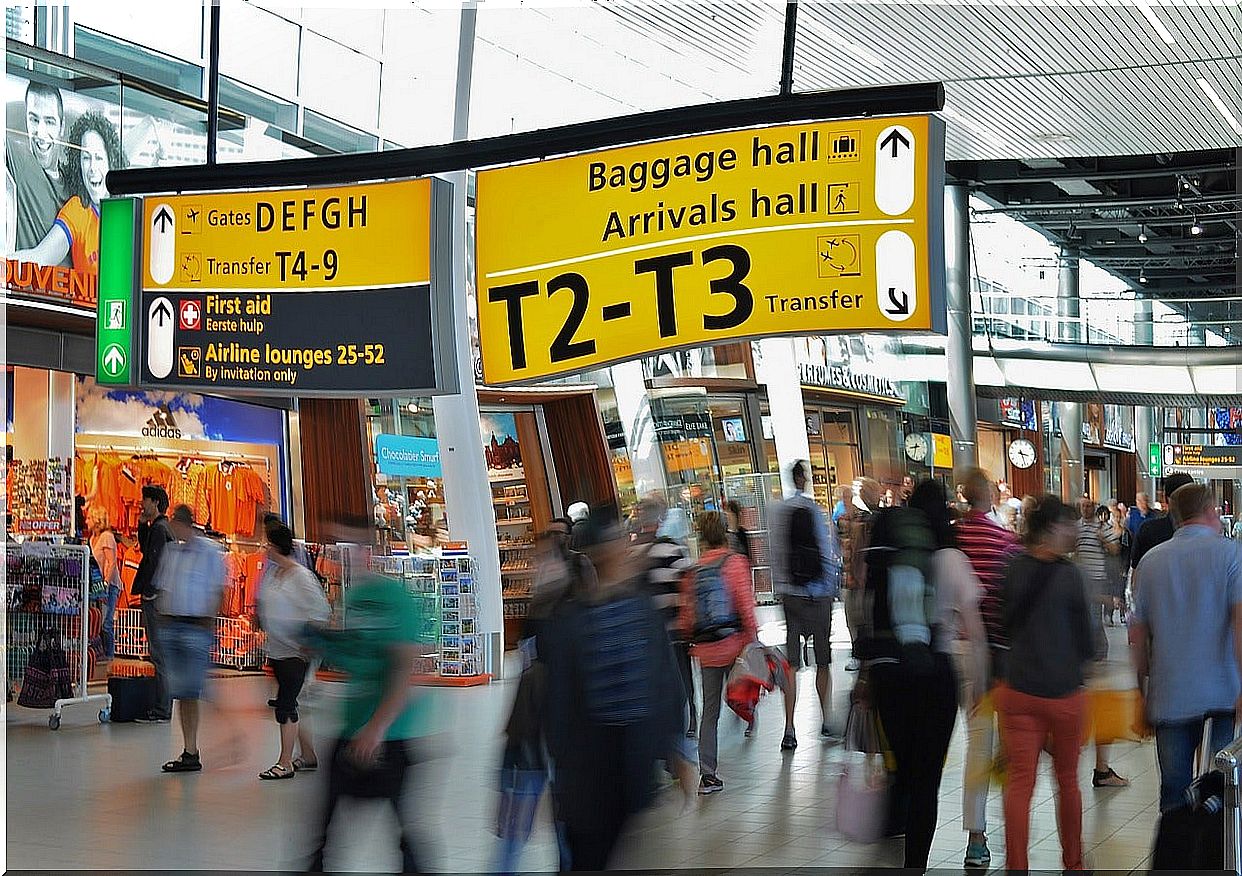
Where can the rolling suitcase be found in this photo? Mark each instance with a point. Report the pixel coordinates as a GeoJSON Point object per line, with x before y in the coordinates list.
{"type": "Point", "coordinates": [132, 697]}
{"type": "Point", "coordinates": [1192, 837]}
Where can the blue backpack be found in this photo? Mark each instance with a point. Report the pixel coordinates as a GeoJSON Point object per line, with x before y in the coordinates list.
{"type": "Point", "coordinates": [715, 616]}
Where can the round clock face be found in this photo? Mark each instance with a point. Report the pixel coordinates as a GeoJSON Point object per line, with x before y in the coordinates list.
{"type": "Point", "coordinates": [916, 447]}
{"type": "Point", "coordinates": [1022, 453]}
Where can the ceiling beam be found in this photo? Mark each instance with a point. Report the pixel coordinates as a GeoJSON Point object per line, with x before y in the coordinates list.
{"type": "Point", "coordinates": [1188, 202]}
{"type": "Point", "coordinates": [980, 175]}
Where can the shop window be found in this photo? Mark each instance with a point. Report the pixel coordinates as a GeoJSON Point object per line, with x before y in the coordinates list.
{"type": "Point", "coordinates": [137, 61]}
{"type": "Point", "coordinates": [410, 507]}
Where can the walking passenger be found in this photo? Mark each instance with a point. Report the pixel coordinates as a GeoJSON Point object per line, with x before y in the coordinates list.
{"type": "Point", "coordinates": [1091, 557]}
{"type": "Point", "coordinates": [926, 598]}
{"type": "Point", "coordinates": [1042, 701]}
{"type": "Point", "coordinates": [103, 549]}
{"type": "Point", "coordinates": [612, 703]}
{"type": "Point", "coordinates": [188, 587]}
{"type": "Point", "coordinates": [154, 534]}
{"type": "Point", "coordinates": [856, 538]}
{"type": "Point", "coordinates": [806, 574]}
{"type": "Point", "coordinates": [718, 618]}
{"type": "Point", "coordinates": [381, 715]}
{"type": "Point", "coordinates": [1157, 528]}
{"type": "Point", "coordinates": [989, 548]}
{"type": "Point", "coordinates": [1187, 638]}
{"type": "Point", "coordinates": [291, 599]}
{"type": "Point", "coordinates": [664, 562]}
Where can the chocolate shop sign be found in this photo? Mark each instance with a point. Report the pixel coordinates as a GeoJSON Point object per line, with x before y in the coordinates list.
{"type": "Point", "coordinates": [843, 378]}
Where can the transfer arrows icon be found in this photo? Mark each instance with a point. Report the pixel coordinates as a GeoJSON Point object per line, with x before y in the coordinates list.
{"type": "Point", "coordinates": [894, 137]}
{"type": "Point", "coordinates": [163, 219]}
{"type": "Point", "coordinates": [900, 307]}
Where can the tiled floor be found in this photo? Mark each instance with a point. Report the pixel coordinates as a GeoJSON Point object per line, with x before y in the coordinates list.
{"type": "Point", "coordinates": [92, 796]}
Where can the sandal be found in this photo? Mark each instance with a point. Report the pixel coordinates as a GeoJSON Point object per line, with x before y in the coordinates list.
{"type": "Point", "coordinates": [187, 763]}
{"type": "Point", "coordinates": [1108, 779]}
{"type": "Point", "coordinates": [276, 772]}
{"type": "Point", "coordinates": [302, 765]}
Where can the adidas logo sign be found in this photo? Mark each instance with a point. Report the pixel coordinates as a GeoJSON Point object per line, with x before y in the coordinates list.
{"type": "Point", "coordinates": [161, 425]}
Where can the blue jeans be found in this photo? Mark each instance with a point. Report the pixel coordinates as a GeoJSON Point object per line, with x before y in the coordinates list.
{"type": "Point", "coordinates": [107, 630]}
{"type": "Point", "coordinates": [1175, 750]}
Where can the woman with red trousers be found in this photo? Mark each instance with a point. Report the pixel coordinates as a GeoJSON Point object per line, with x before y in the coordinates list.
{"type": "Point", "coordinates": [1045, 613]}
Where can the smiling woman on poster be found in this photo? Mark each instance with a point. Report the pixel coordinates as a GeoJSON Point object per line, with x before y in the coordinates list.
{"type": "Point", "coordinates": [94, 149]}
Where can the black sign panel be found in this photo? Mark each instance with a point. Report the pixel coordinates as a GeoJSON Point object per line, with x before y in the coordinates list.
{"type": "Point", "coordinates": [332, 342]}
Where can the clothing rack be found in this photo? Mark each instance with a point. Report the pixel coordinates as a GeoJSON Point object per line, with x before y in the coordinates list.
{"type": "Point", "coordinates": [59, 577]}
{"type": "Point", "coordinates": [170, 452]}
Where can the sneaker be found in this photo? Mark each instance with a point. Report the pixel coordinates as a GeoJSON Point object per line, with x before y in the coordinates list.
{"type": "Point", "coordinates": [789, 743]}
{"type": "Point", "coordinates": [978, 855]}
{"type": "Point", "coordinates": [710, 785]}
{"type": "Point", "coordinates": [854, 665]}
{"type": "Point", "coordinates": [1108, 779]}
{"type": "Point", "coordinates": [152, 718]}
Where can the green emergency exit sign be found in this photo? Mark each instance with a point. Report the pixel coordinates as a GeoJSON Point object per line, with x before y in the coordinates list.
{"type": "Point", "coordinates": [1153, 460]}
{"type": "Point", "coordinates": [114, 331]}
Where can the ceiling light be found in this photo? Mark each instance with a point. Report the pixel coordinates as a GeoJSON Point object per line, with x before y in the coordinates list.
{"type": "Point", "coordinates": [1196, 228]}
{"type": "Point", "coordinates": [1221, 106]}
{"type": "Point", "coordinates": [1156, 24]}
{"type": "Point", "coordinates": [1142, 276]}
{"type": "Point", "coordinates": [412, 407]}
{"type": "Point", "coordinates": [1142, 238]}
{"type": "Point", "coordinates": [1228, 330]}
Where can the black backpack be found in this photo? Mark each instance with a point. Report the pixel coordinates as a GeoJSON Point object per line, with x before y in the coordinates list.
{"type": "Point", "coordinates": [806, 562]}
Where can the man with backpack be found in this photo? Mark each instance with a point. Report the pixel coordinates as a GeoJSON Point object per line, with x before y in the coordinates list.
{"type": "Point", "coordinates": [806, 575]}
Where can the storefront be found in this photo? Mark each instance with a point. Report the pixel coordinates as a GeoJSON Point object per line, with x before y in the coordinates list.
{"type": "Point", "coordinates": [542, 456]}
{"type": "Point", "coordinates": [853, 414]}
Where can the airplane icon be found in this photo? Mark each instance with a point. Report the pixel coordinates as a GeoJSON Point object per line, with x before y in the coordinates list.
{"type": "Point", "coordinates": [190, 214]}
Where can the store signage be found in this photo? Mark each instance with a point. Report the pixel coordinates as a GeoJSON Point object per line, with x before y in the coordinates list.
{"type": "Point", "coordinates": [786, 230]}
{"type": "Point", "coordinates": [1018, 412]}
{"type": "Point", "coordinates": [844, 378]}
{"type": "Point", "coordinates": [942, 451]}
{"type": "Point", "coordinates": [317, 291]}
{"type": "Point", "coordinates": [678, 426]}
{"type": "Point", "coordinates": [403, 456]}
{"type": "Point", "coordinates": [1204, 462]}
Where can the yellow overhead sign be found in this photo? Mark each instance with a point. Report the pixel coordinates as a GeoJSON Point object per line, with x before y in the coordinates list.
{"type": "Point", "coordinates": [342, 237]}
{"type": "Point", "coordinates": [788, 230]}
{"type": "Point", "coordinates": [942, 451]}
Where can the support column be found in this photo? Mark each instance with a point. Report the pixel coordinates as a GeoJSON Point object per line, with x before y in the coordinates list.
{"type": "Point", "coordinates": [1069, 328]}
{"type": "Point", "coordinates": [963, 422]}
{"type": "Point", "coordinates": [777, 368]}
{"type": "Point", "coordinates": [467, 492]}
{"type": "Point", "coordinates": [1072, 483]}
{"type": "Point", "coordinates": [1144, 435]}
{"type": "Point", "coordinates": [641, 441]}
{"type": "Point", "coordinates": [1144, 328]}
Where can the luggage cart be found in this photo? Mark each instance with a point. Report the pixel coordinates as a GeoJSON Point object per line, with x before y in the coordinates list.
{"type": "Point", "coordinates": [48, 587]}
{"type": "Point", "coordinates": [1229, 762]}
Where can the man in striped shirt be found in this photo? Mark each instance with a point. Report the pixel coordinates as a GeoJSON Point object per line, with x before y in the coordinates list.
{"type": "Point", "coordinates": [989, 549]}
{"type": "Point", "coordinates": [665, 562]}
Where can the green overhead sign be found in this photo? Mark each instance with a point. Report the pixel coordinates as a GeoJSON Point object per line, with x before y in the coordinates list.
{"type": "Point", "coordinates": [114, 332]}
{"type": "Point", "coordinates": [1153, 460]}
